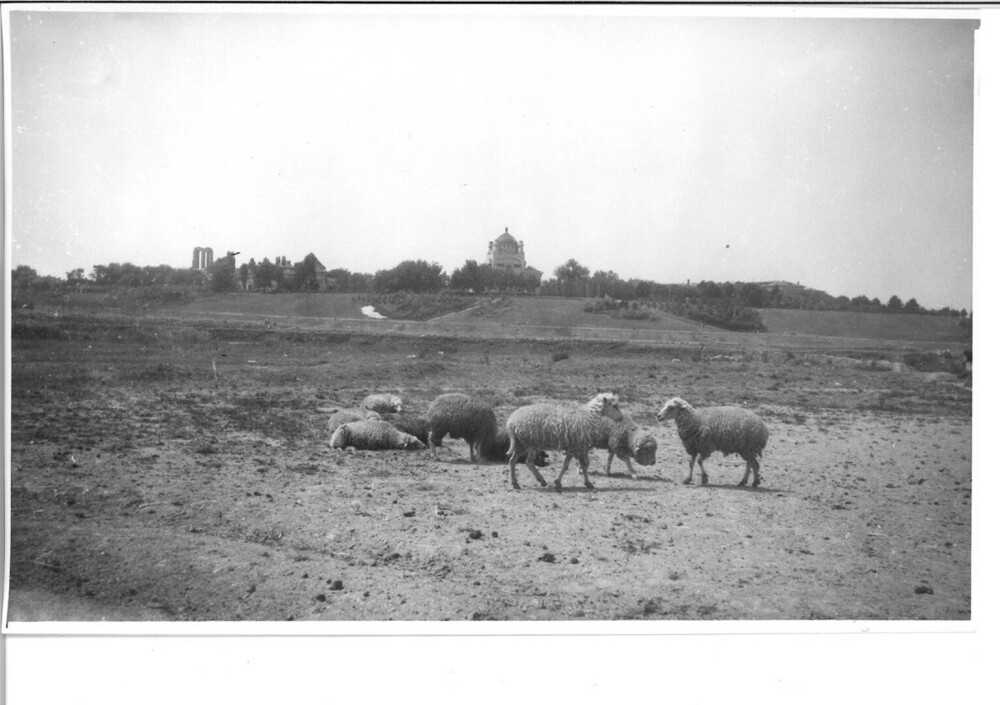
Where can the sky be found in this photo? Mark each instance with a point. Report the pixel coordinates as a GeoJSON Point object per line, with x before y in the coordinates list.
{"type": "Point", "coordinates": [834, 152]}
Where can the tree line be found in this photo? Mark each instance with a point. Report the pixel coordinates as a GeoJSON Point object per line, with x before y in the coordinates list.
{"type": "Point", "coordinates": [719, 303]}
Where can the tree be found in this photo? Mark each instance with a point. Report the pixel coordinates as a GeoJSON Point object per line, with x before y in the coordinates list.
{"type": "Point", "coordinates": [223, 275]}
{"type": "Point", "coordinates": [470, 276]}
{"type": "Point", "coordinates": [304, 274]}
{"type": "Point", "coordinates": [416, 276]}
{"type": "Point", "coordinates": [912, 306]}
{"type": "Point", "coordinates": [895, 304]}
{"type": "Point", "coordinates": [571, 276]}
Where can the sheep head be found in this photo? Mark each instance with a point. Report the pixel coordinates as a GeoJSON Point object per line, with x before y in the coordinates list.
{"type": "Point", "coordinates": [643, 449]}
{"type": "Point", "coordinates": [606, 404]}
{"type": "Point", "coordinates": [671, 409]}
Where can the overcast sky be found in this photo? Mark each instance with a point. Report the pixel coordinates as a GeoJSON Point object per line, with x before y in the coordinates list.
{"type": "Point", "coordinates": [832, 152]}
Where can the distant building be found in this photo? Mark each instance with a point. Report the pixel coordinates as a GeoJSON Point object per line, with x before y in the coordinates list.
{"type": "Point", "coordinates": [507, 253]}
{"type": "Point", "coordinates": [202, 258]}
{"type": "Point", "coordinates": [786, 288]}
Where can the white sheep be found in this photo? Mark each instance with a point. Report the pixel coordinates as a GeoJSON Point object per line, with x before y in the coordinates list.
{"type": "Point", "coordinates": [347, 415]}
{"type": "Point", "coordinates": [373, 434]}
{"type": "Point", "coordinates": [626, 440]}
{"type": "Point", "coordinates": [575, 430]}
{"type": "Point", "coordinates": [727, 429]}
{"type": "Point", "coordinates": [461, 416]}
{"type": "Point", "coordinates": [383, 403]}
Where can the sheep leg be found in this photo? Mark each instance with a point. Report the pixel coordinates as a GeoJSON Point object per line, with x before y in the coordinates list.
{"type": "Point", "coordinates": [513, 475]}
{"type": "Point", "coordinates": [756, 472]}
{"type": "Point", "coordinates": [631, 470]}
{"type": "Point", "coordinates": [690, 471]}
{"type": "Point", "coordinates": [531, 466]}
{"type": "Point", "coordinates": [584, 461]}
{"type": "Point", "coordinates": [701, 464]}
{"type": "Point", "coordinates": [432, 444]}
{"type": "Point", "coordinates": [746, 475]}
{"type": "Point", "coordinates": [558, 482]}
{"type": "Point", "coordinates": [611, 455]}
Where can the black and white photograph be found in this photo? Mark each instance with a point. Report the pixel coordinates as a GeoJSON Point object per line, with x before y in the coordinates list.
{"type": "Point", "coordinates": [487, 319]}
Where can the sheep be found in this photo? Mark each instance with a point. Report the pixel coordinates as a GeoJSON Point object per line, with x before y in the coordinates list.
{"type": "Point", "coordinates": [626, 440]}
{"type": "Point", "coordinates": [461, 416]}
{"type": "Point", "coordinates": [373, 434]}
{"type": "Point", "coordinates": [574, 430]}
{"type": "Point", "coordinates": [383, 403]}
{"type": "Point", "coordinates": [417, 426]}
{"type": "Point", "coordinates": [346, 415]}
{"type": "Point", "coordinates": [495, 449]}
{"type": "Point", "coordinates": [727, 429]}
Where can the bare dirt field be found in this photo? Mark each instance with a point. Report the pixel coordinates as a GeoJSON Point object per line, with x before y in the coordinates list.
{"type": "Point", "coordinates": [181, 472]}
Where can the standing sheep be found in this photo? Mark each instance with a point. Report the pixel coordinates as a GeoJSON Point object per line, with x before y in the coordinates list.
{"type": "Point", "coordinates": [727, 429]}
{"type": "Point", "coordinates": [373, 434]}
{"type": "Point", "coordinates": [626, 440]}
{"type": "Point", "coordinates": [574, 430]}
{"type": "Point", "coordinates": [461, 416]}
{"type": "Point", "coordinates": [383, 403]}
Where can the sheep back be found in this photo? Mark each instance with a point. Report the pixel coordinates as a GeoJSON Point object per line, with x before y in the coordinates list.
{"type": "Point", "coordinates": [461, 416]}
{"type": "Point", "coordinates": [347, 415]}
{"type": "Point", "coordinates": [374, 434]}
{"type": "Point", "coordinates": [726, 429]}
{"type": "Point", "coordinates": [552, 427]}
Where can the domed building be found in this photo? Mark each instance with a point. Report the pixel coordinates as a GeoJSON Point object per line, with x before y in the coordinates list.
{"type": "Point", "coordinates": [508, 254]}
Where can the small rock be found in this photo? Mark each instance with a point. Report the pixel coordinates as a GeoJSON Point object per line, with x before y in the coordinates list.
{"type": "Point", "coordinates": [548, 558]}
{"type": "Point", "coordinates": [574, 561]}
{"type": "Point", "coordinates": [476, 534]}
{"type": "Point", "coordinates": [924, 590]}
{"type": "Point", "coordinates": [337, 585]}
{"type": "Point", "coordinates": [321, 597]}
{"type": "Point", "coordinates": [411, 513]}
{"type": "Point", "coordinates": [494, 534]}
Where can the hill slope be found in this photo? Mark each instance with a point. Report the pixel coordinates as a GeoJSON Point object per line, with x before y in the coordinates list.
{"type": "Point", "coordinates": [878, 326]}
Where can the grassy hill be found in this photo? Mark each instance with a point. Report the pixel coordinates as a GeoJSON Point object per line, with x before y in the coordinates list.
{"type": "Point", "coordinates": [564, 313]}
{"type": "Point", "coordinates": [878, 326]}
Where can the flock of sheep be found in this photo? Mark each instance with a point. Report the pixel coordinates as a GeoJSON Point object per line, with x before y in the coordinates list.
{"type": "Point", "coordinates": [379, 423]}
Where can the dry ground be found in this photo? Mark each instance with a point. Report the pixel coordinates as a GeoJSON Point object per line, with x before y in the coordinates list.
{"type": "Point", "coordinates": [181, 472]}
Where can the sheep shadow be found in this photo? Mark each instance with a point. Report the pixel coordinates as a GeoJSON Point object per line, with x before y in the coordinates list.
{"type": "Point", "coordinates": [739, 488]}
{"type": "Point", "coordinates": [581, 488]}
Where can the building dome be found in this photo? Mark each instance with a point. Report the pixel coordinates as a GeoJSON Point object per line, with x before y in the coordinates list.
{"type": "Point", "coordinates": [505, 252]}
{"type": "Point", "coordinates": [506, 237]}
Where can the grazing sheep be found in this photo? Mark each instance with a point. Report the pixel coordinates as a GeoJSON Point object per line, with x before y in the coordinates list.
{"type": "Point", "coordinates": [627, 441]}
{"type": "Point", "coordinates": [417, 426]}
{"type": "Point", "coordinates": [383, 403]}
{"type": "Point", "coordinates": [373, 434]}
{"type": "Point", "coordinates": [574, 430]}
{"type": "Point", "coordinates": [347, 415]}
{"type": "Point", "coordinates": [461, 416]}
{"type": "Point", "coordinates": [495, 449]}
{"type": "Point", "coordinates": [727, 429]}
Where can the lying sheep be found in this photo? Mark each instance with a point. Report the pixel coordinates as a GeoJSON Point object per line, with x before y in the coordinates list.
{"type": "Point", "coordinates": [461, 416]}
{"type": "Point", "coordinates": [626, 440]}
{"type": "Point", "coordinates": [495, 449]}
{"type": "Point", "coordinates": [417, 426]}
{"type": "Point", "coordinates": [383, 403]}
{"type": "Point", "coordinates": [347, 415]}
{"type": "Point", "coordinates": [373, 434]}
{"type": "Point", "coordinates": [574, 430]}
{"type": "Point", "coordinates": [727, 429]}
